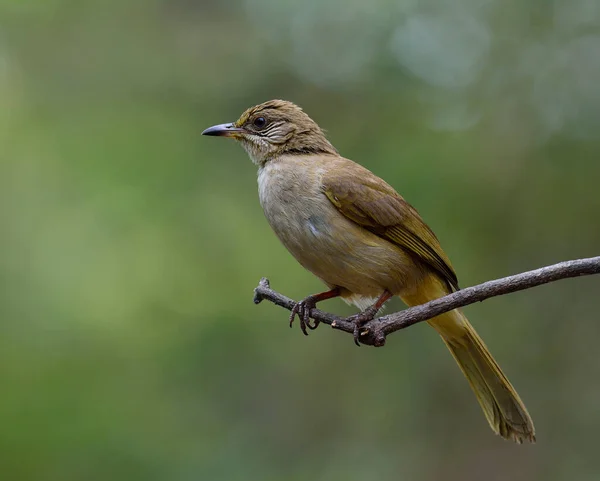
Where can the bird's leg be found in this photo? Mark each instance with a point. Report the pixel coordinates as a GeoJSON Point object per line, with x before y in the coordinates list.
{"type": "Point", "coordinates": [302, 308]}
{"type": "Point", "coordinates": [368, 314]}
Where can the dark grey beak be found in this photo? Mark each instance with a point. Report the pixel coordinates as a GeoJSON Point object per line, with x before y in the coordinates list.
{"type": "Point", "coordinates": [222, 130]}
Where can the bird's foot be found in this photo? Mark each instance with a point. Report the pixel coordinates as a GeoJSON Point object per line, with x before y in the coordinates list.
{"type": "Point", "coordinates": [302, 310]}
{"type": "Point", "coordinates": [361, 319]}
{"type": "Point", "coordinates": [367, 315]}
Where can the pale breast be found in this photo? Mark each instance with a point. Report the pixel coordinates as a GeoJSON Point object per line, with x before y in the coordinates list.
{"type": "Point", "coordinates": [293, 205]}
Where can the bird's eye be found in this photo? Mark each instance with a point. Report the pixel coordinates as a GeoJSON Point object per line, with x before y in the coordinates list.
{"type": "Point", "coordinates": [260, 122]}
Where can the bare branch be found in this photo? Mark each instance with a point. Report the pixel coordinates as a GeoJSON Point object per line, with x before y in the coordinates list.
{"type": "Point", "coordinates": [375, 331]}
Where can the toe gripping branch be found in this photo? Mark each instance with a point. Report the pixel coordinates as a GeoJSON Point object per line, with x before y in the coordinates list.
{"type": "Point", "coordinates": [362, 326]}
{"type": "Point", "coordinates": [305, 306]}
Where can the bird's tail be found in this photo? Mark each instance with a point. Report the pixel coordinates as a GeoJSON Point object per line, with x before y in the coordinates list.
{"type": "Point", "coordinates": [501, 404]}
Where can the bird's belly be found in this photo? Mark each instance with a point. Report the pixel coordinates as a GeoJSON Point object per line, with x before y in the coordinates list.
{"type": "Point", "coordinates": [343, 254]}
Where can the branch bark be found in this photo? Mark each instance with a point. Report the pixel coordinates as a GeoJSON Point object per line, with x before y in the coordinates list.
{"type": "Point", "coordinates": [374, 332]}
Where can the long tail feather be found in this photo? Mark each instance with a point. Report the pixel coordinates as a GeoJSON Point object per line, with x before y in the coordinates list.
{"type": "Point", "coordinates": [499, 400]}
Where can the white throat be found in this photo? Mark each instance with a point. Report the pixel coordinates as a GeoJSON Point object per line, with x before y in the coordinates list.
{"type": "Point", "coordinates": [258, 150]}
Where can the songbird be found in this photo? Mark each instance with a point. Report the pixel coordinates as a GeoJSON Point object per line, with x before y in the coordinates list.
{"type": "Point", "coordinates": [364, 241]}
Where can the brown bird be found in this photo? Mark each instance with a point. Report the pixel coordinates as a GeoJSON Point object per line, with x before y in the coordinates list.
{"type": "Point", "coordinates": [363, 240]}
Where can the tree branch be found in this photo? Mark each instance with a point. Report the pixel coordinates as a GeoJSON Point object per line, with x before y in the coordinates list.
{"type": "Point", "coordinates": [374, 332]}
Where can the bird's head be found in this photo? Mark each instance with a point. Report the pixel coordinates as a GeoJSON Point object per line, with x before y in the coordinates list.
{"type": "Point", "coordinates": [275, 128]}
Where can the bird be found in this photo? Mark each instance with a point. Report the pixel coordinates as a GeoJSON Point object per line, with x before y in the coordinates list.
{"type": "Point", "coordinates": [353, 231]}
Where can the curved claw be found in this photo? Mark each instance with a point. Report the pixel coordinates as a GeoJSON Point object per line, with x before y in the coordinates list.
{"type": "Point", "coordinates": [360, 319]}
{"type": "Point", "coordinates": [304, 317]}
{"type": "Point", "coordinates": [302, 310]}
{"type": "Point", "coordinates": [312, 327]}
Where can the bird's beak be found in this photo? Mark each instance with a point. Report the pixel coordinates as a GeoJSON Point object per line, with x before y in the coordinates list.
{"type": "Point", "coordinates": [223, 130]}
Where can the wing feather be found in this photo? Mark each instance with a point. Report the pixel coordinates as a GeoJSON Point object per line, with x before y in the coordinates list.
{"type": "Point", "coordinates": [373, 204]}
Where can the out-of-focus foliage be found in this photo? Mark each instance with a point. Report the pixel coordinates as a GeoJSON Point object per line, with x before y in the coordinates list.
{"type": "Point", "coordinates": [129, 245]}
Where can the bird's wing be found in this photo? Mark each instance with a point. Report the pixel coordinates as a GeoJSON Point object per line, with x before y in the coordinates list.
{"type": "Point", "coordinates": [373, 204]}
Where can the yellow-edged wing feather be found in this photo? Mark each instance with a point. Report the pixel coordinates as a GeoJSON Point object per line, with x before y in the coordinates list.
{"type": "Point", "coordinates": [373, 204]}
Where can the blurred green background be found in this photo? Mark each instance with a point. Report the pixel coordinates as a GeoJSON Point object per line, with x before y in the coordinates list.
{"type": "Point", "coordinates": [130, 348]}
